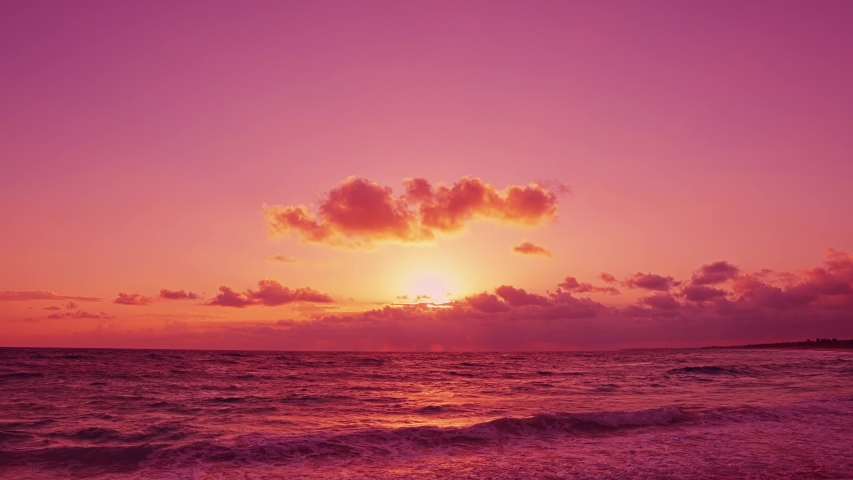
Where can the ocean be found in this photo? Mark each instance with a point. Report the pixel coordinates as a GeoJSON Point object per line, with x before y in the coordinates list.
{"type": "Point", "coordinates": [644, 414]}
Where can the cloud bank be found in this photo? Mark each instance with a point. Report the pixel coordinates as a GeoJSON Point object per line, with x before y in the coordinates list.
{"type": "Point", "coordinates": [718, 304]}
{"type": "Point", "coordinates": [359, 213]}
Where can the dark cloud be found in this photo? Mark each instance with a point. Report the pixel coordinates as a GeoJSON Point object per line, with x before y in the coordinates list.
{"type": "Point", "coordinates": [359, 213]}
{"type": "Point", "coordinates": [70, 306]}
{"type": "Point", "coordinates": [527, 248]}
{"type": "Point", "coordinates": [650, 281]}
{"type": "Point", "coordinates": [51, 308]}
{"type": "Point", "coordinates": [177, 295]}
{"type": "Point", "coordinates": [132, 299]}
{"type": "Point", "coordinates": [228, 297]}
{"type": "Point", "coordinates": [23, 296]}
{"type": "Point", "coordinates": [486, 303]}
{"type": "Point", "coordinates": [269, 293]}
{"type": "Point", "coordinates": [714, 273]}
{"type": "Point", "coordinates": [517, 297]}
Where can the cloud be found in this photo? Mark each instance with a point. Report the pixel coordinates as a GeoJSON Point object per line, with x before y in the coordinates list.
{"type": "Point", "coordinates": [817, 301]}
{"type": "Point", "coordinates": [359, 213]}
{"type": "Point", "coordinates": [571, 284]}
{"type": "Point", "coordinates": [753, 307]}
{"type": "Point", "coordinates": [487, 303]}
{"type": "Point", "coordinates": [527, 248]}
{"type": "Point", "coordinates": [132, 299]}
{"type": "Point", "coordinates": [79, 314]}
{"type": "Point", "coordinates": [607, 277]}
{"type": "Point", "coordinates": [714, 273]}
{"type": "Point", "coordinates": [27, 295]}
{"type": "Point", "coordinates": [650, 281]}
{"type": "Point", "coordinates": [71, 306]}
{"type": "Point", "coordinates": [748, 308]}
{"type": "Point", "coordinates": [279, 258]}
{"type": "Point", "coordinates": [661, 301]}
{"type": "Point", "coordinates": [517, 297]}
{"type": "Point", "coordinates": [559, 187]}
{"type": "Point", "coordinates": [51, 308]}
{"type": "Point", "coordinates": [270, 293]}
{"type": "Point", "coordinates": [177, 295]}
{"type": "Point", "coordinates": [228, 297]}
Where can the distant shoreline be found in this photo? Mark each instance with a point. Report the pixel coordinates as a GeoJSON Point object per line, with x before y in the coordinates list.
{"type": "Point", "coordinates": [817, 344]}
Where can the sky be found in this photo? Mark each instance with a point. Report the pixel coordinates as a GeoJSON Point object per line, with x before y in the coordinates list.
{"type": "Point", "coordinates": [425, 175]}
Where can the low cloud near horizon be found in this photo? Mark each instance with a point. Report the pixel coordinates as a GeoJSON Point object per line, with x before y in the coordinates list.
{"type": "Point", "coordinates": [718, 304]}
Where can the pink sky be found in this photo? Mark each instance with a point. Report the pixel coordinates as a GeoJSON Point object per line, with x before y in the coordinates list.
{"type": "Point", "coordinates": [157, 145]}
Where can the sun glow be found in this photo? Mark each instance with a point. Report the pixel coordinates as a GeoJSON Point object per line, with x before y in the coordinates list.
{"type": "Point", "coordinates": [430, 286]}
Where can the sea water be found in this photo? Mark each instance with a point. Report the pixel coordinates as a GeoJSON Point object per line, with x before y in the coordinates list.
{"type": "Point", "coordinates": [656, 414]}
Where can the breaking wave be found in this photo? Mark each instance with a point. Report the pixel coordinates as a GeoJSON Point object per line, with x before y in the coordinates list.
{"type": "Point", "coordinates": [331, 447]}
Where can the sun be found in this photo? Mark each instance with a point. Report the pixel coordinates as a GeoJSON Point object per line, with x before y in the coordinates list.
{"type": "Point", "coordinates": [430, 286]}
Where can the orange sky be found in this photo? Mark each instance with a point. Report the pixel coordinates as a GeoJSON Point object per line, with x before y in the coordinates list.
{"type": "Point", "coordinates": [318, 163]}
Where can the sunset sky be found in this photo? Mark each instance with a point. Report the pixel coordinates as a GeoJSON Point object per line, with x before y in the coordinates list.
{"type": "Point", "coordinates": [425, 175]}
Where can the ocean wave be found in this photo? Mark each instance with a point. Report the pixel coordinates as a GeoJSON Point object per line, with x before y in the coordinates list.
{"type": "Point", "coordinates": [164, 447]}
{"type": "Point", "coordinates": [413, 440]}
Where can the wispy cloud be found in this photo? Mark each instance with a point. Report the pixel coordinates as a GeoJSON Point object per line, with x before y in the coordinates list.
{"type": "Point", "coordinates": [279, 258]}
{"type": "Point", "coordinates": [79, 314]}
{"type": "Point", "coordinates": [28, 295]}
{"type": "Point", "coordinates": [528, 248]}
